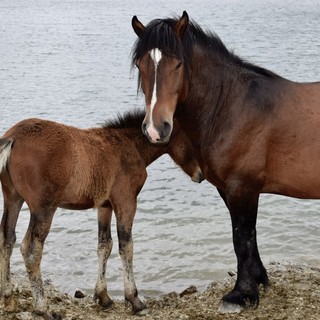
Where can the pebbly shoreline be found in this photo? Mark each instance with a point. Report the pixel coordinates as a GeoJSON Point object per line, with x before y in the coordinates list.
{"type": "Point", "coordinates": [294, 293]}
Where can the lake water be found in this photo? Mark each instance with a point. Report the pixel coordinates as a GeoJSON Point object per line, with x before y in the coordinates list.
{"type": "Point", "coordinates": [69, 61]}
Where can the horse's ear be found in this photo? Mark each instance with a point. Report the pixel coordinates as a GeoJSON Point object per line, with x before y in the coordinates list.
{"type": "Point", "coordinates": [182, 24]}
{"type": "Point", "coordinates": [137, 26]}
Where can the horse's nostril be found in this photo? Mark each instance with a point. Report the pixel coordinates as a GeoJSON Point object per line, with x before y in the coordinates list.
{"type": "Point", "coordinates": [166, 128]}
{"type": "Point", "coordinates": [144, 128]}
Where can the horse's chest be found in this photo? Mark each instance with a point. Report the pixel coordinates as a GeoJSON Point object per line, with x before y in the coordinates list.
{"type": "Point", "coordinates": [219, 162]}
{"type": "Point", "coordinates": [212, 167]}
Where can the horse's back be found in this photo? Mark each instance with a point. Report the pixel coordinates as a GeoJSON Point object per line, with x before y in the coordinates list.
{"type": "Point", "coordinates": [277, 147]}
{"type": "Point", "coordinates": [293, 152]}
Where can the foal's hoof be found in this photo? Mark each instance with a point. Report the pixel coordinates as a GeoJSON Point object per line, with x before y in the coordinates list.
{"type": "Point", "coordinates": [138, 307]}
{"type": "Point", "coordinates": [103, 300]}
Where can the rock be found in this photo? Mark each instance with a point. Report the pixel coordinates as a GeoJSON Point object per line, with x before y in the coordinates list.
{"type": "Point", "coordinates": [231, 273]}
{"type": "Point", "coordinates": [79, 294]}
{"type": "Point", "coordinates": [190, 290]}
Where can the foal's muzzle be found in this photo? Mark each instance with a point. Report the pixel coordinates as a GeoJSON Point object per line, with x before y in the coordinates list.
{"type": "Point", "coordinates": [198, 177]}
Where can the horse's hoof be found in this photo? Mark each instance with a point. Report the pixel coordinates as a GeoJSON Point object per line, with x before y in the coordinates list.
{"type": "Point", "coordinates": [228, 307]}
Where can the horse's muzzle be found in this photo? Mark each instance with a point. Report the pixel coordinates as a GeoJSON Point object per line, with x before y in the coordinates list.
{"type": "Point", "coordinates": [161, 135]}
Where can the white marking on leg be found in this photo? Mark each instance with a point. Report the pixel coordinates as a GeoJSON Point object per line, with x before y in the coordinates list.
{"type": "Point", "coordinates": [104, 251]}
{"type": "Point", "coordinates": [128, 277]}
{"type": "Point", "coordinates": [32, 254]}
{"type": "Point", "coordinates": [156, 56]}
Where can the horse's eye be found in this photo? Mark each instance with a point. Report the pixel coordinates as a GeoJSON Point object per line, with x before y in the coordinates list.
{"type": "Point", "coordinates": [178, 65]}
{"type": "Point", "coordinates": [137, 66]}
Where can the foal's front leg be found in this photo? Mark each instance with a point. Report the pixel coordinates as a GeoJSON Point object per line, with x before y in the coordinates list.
{"type": "Point", "coordinates": [251, 272]}
{"type": "Point", "coordinates": [125, 215]}
{"type": "Point", "coordinates": [104, 251]}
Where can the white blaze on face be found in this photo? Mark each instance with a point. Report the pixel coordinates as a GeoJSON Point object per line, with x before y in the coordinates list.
{"type": "Point", "coordinates": [156, 56]}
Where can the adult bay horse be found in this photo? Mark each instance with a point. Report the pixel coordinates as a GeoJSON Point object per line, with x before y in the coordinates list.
{"type": "Point", "coordinates": [50, 165]}
{"type": "Point", "coordinates": [252, 131]}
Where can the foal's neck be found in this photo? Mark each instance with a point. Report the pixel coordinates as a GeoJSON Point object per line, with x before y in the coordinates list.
{"type": "Point", "coordinates": [148, 151]}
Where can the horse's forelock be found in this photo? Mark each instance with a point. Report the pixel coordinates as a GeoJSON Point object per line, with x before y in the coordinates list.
{"type": "Point", "coordinates": [158, 34]}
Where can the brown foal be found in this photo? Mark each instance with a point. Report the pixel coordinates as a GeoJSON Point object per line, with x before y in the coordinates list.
{"type": "Point", "coordinates": [50, 165]}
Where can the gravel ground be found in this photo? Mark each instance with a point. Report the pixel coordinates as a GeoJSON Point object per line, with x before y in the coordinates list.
{"type": "Point", "coordinates": [294, 293]}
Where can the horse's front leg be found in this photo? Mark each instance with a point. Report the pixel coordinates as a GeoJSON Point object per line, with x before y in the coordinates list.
{"type": "Point", "coordinates": [104, 251]}
{"type": "Point", "coordinates": [31, 249]}
{"type": "Point", "coordinates": [251, 272]}
{"type": "Point", "coordinates": [259, 271]}
{"type": "Point", "coordinates": [125, 215]}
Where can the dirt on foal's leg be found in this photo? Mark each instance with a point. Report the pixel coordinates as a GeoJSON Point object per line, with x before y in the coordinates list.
{"type": "Point", "coordinates": [12, 205]}
{"type": "Point", "coordinates": [7, 300]}
{"type": "Point", "coordinates": [104, 251]}
{"type": "Point", "coordinates": [124, 227]}
{"type": "Point", "coordinates": [31, 249]}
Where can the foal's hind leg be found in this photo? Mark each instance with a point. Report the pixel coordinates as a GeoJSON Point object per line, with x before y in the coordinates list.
{"type": "Point", "coordinates": [125, 214]}
{"type": "Point", "coordinates": [31, 249]}
{"type": "Point", "coordinates": [12, 205]}
{"type": "Point", "coordinates": [104, 251]}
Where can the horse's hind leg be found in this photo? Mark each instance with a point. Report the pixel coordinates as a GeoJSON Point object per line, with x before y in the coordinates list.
{"type": "Point", "coordinates": [12, 205]}
{"type": "Point", "coordinates": [31, 249]}
{"type": "Point", "coordinates": [104, 251]}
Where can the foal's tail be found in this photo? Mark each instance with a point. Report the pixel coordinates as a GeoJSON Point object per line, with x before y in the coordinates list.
{"type": "Point", "coordinates": [5, 150]}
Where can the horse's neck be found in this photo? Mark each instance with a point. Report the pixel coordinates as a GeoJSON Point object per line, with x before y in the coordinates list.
{"type": "Point", "coordinates": [214, 86]}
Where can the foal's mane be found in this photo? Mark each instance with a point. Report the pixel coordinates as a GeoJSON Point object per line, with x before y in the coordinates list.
{"type": "Point", "coordinates": [160, 33]}
{"type": "Point", "coordinates": [130, 119]}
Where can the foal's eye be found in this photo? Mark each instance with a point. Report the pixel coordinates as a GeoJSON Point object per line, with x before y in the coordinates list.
{"type": "Point", "coordinates": [178, 66]}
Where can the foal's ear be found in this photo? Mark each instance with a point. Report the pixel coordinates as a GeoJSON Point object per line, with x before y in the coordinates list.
{"type": "Point", "coordinates": [182, 24]}
{"type": "Point", "coordinates": [137, 26]}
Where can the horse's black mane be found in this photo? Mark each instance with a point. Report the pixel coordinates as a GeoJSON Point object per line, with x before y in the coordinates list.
{"type": "Point", "coordinates": [159, 33]}
{"type": "Point", "coordinates": [130, 119]}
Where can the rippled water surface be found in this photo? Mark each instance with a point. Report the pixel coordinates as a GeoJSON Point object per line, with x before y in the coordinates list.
{"type": "Point", "coordinates": [69, 61]}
